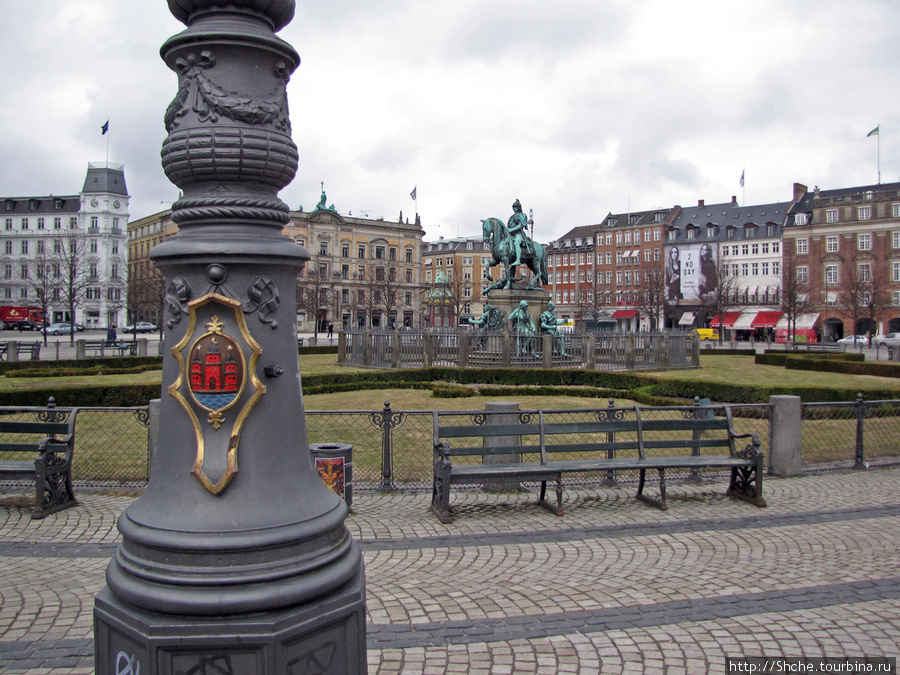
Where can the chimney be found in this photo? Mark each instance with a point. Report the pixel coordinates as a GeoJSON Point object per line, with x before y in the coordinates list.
{"type": "Point", "coordinates": [700, 202]}
{"type": "Point", "coordinates": [734, 200]}
{"type": "Point", "coordinates": [799, 190]}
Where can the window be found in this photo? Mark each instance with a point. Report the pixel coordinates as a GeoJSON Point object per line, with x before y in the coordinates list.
{"type": "Point", "coordinates": [609, 277]}
{"type": "Point", "coordinates": [392, 253]}
{"type": "Point", "coordinates": [9, 224]}
{"type": "Point", "coordinates": [657, 255]}
{"type": "Point", "coordinates": [831, 244]}
{"type": "Point", "coordinates": [895, 210]}
{"type": "Point", "coordinates": [831, 274]}
{"type": "Point", "coordinates": [864, 212]}
{"type": "Point", "coordinates": [7, 271]}
{"type": "Point", "coordinates": [323, 248]}
{"type": "Point", "coordinates": [345, 250]}
{"type": "Point", "coordinates": [619, 277]}
{"type": "Point", "coordinates": [656, 234]}
{"type": "Point", "coordinates": [754, 269]}
{"type": "Point", "coordinates": [609, 257]}
{"type": "Point", "coordinates": [114, 247]}
{"type": "Point", "coordinates": [895, 296]}
{"type": "Point", "coordinates": [581, 258]}
{"type": "Point", "coordinates": [637, 277]}
{"type": "Point", "coordinates": [24, 247]}
{"type": "Point", "coordinates": [618, 257]}
{"type": "Point", "coordinates": [765, 269]}
{"type": "Point", "coordinates": [831, 216]}
{"type": "Point", "coordinates": [8, 248]}
{"type": "Point", "coordinates": [776, 268]}
{"type": "Point", "coordinates": [40, 246]}
{"type": "Point", "coordinates": [745, 249]}
{"type": "Point", "coordinates": [379, 252]}
{"type": "Point", "coordinates": [776, 247]}
{"type": "Point", "coordinates": [864, 242]}
{"type": "Point", "coordinates": [40, 223]}
{"type": "Point", "coordinates": [895, 271]}
{"type": "Point", "coordinates": [895, 239]}
{"type": "Point", "coordinates": [361, 251]}
{"type": "Point", "coordinates": [609, 238]}
{"type": "Point", "coordinates": [628, 238]}
{"type": "Point", "coordinates": [648, 254]}
{"type": "Point", "coordinates": [800, 219]}
{"type": "Point", "coordinates": [754, 249]}
{"type": "Point", "coordinates": [765, 249]}
{"type": "Point", "coordinates": [581, 276]}
{"type": "Point", "coordinates": [618, 238]}
{"type": "Point", "coordinates": [23, 271]}
{"type": "Point", "coordinates": [409, 255]}
{"type": "Point", "coordinates": [628, 278]}
{"type": "Point", "coordinates": [647, 234]}
{"type": "Point", "coordinates": [95, 222]}
{"type": "Point", "coordinates": [409, 276]}
{"type": "Point", "coordinates": [93, 245]}
{"type": "Point", "coordinates": [691, 233]}
{"type": "Point", "coordinates": [745, 269]}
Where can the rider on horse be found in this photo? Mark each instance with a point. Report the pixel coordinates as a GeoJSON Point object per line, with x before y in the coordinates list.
{"type": "Point", "coordinates": [517, 226]}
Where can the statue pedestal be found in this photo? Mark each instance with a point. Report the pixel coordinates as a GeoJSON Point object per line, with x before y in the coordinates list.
{"type": "Point", "coordinates": [507, 300]}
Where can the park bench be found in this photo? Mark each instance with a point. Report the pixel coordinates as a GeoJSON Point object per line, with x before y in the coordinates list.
{"type": "Point", "coordinates": [545, 445]}
{"type": "Point", "coordinates": [105, 347]}
{"type": "Point", "coordinates": [42, 450]}
{"type": "Point", "coordinates": [818, 346]}
{"type": "Point", "coordinates": [30, 349]}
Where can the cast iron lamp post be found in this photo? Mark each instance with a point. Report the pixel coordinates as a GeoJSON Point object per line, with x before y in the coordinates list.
{"type": "Point", "coordinates": [236, 558]}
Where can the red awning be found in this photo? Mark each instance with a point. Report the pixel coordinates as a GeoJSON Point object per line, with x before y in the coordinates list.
{"type": "Point", "coordinates": [730, 318]}
{"type": "Point", "coordinates": [625, 313]}
{"type": "Point", "coordinates": [766, 319]}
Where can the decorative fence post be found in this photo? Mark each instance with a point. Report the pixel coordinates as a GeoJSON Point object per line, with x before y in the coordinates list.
{"type": "Point", "coordinates": [387, 420]}
{"type": "Point", "coordinates": [610, 415]}
{"type": "Point", "coordinates": [860, 409]}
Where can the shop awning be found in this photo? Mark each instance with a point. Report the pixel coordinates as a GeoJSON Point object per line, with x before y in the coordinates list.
{"type": "Point", "coordinates": [766, 319]}
{"type": "Point", "coordinates": [804, 321]}
{"type": "Point", "coordinates": [744, 321]}
{"type": "Point", "coordinates": [624, 313]}
{"type": "Point", "coordinates": [728, 322]}
{"type": "Point", "coordinates": [687, 319]}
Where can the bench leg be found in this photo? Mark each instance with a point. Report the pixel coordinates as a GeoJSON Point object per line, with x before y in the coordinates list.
{"type": "Point", "coordinates": [53, 489]}
{"type": "Point", "coordinates": [554, 508]}
{"type": "Point", "coordinates": [746, 484]}
{"type": "Point", "coordinates": [440, 498]}
{"type": "Point", "coordinates": [658, 503]}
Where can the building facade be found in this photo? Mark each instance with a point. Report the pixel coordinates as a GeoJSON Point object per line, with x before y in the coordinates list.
{"type": "Point", "coordinates": [454, 275]}
{"type": "Point", "coordinates": [723, 267]}
{"type": "Point", "coordinates": [65, 251]}
{"type": "Point", "coordinates": [843, 248]}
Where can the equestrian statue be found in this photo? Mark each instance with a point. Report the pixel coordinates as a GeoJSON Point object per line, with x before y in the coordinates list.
{"type": "Point", "coordinates": [511, 245]}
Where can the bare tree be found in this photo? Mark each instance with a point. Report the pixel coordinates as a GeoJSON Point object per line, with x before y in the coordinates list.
{"type": "Point", "coordinates": [855, 292]}
{"type": "Point", "coordinates": [653, 292]}
{"type": "Point", "coordinates": [314, 290]}
{"type": "Point", "coordinates": [593, 304]}
{"type": "Point", "coordinates": [794, 293]}
{"type": "Point", "coordinates": [43, 284]}
{"type": "Point", "coordinates": [720, 291]}
{"type": "Point", "coordinates": [877, 297]}
{"type": "Point", "coordinates": [145, 294]}
{"type": "Point", "coordinates": [70, 253]}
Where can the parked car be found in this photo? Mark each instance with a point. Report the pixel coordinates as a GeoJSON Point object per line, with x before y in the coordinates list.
{"type": "Point", "coordinates": [60, 329]}
{"type": "Point", "coordinates": [26, 324]}
{"type": "Point", "coordinates": [140, 327]}
{"type": "Point", "coordinates": [707, 333]}
{"type": "Point", "coordinates": [854, 340]}
{"type": "Point", "coordinates": [889, 340]}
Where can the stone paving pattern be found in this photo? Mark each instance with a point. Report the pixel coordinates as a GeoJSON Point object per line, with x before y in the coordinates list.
{"type": "Point", "coordinates": [614, 586]}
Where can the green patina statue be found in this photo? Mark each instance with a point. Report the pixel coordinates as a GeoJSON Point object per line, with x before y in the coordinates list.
{"type": "Point", "coordinates": [511, 246]}
{"type": "Point", "coordinates": [523, 329]}
{"type": "Point", "coordinates": [550, 326]}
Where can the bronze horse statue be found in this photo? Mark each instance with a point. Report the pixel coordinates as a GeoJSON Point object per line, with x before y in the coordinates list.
{"type": "Point", "coordinates": [496, 235]}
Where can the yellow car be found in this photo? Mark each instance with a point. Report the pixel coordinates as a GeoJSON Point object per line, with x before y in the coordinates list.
{"type": "Point", "coordinates": [707, 333]}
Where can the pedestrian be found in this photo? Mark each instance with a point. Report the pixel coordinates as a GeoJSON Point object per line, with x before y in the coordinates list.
{"type": "Point", "coordinates": [330, 329]}
{"type": "Point", "coordinates": [111, 336]}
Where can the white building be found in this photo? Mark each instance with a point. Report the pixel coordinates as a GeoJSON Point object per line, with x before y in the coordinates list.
{"type": "Point", "coordinates": [35, 233]}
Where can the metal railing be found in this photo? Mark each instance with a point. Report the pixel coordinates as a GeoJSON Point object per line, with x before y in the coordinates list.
{"type": "Point", "coordinates": [465, 348]}
{"type": "Point", "coordinates": [392, 450]}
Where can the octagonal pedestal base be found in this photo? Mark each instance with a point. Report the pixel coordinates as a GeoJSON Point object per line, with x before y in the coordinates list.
{"type": "Point", "coordinates": [327, 635]}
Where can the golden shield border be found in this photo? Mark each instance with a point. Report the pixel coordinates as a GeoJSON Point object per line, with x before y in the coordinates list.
{"type": "Point", "coordinates": [215, 417]}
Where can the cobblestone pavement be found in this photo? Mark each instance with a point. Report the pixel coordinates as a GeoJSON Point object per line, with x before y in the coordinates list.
{"type": "Point", "coordinates": [614, 586]}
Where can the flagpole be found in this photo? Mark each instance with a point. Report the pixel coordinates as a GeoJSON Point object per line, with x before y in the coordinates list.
{"type": "Point", "coordinates": [879, 153]}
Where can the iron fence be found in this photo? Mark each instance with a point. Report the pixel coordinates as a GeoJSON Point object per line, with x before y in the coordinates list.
{"type": "Point", "coordinates": [452, 347]}
{"type": "Point", "coordinates": [392, 450]}
{"type": "Point", "coordinates": [854, 434]}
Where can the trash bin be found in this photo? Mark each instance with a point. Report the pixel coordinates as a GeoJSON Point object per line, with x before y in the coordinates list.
{"type": "Point", "coordinates": [334, 462]}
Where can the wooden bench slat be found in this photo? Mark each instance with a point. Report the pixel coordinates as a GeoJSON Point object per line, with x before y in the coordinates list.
{"type": "Point", "coordinates": [489, 430]}
{"type": "Point", "coordinates": [42, 428]}
{"type": "Point", "coordinates": [494, 450]}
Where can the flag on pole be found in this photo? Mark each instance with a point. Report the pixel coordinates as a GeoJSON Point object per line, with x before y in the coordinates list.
{"type": "Point", "coordinates": [742, 177]}
{"type": "Point", "coordinates": [413, 193]}
{"type": "Point", "coordinates": [875, 132]}
{"type": "Point", "coordinates": [104, 128]}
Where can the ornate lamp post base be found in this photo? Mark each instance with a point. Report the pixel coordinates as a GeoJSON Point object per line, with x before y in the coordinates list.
{"type": "Point", "coordinates": [326, 635]}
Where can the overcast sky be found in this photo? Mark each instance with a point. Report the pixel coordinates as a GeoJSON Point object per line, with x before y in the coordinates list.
{"type": "Point", "coordinates": [577, 108]}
